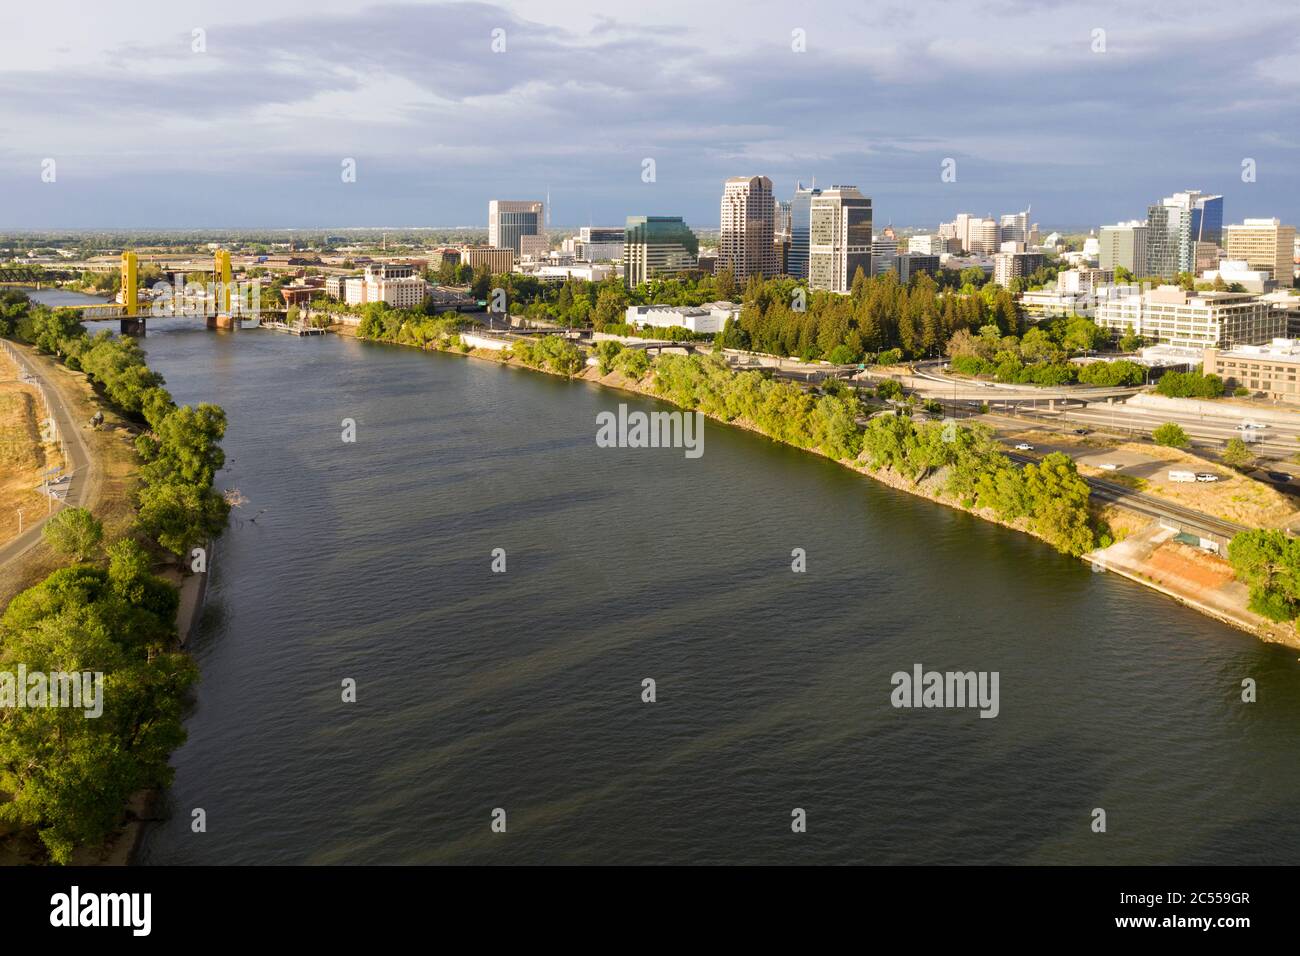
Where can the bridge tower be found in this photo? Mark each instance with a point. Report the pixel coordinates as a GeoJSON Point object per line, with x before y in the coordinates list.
{"type": "Point", "coordinates": [221, 277]}
{"type": "Point", "coordinates": [132, 322]}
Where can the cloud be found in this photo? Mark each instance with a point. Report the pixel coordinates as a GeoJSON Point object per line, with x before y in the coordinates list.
{"type": "Point", "coordinates": [252, 131]}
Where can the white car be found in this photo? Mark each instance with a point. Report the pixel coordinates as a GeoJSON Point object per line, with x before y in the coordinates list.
{"type": "Point", "coordinates": [1108, 466]}
{"type": "Point", "coordinates": [1024, 446]}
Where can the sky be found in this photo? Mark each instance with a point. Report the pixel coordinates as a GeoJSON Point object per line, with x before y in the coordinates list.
{"type": "Point", "coordinates": [245, 113]}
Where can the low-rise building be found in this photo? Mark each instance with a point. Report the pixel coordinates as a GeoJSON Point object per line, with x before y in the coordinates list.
{"type": "Point", "coordinates": [709, 318]}
{"type": "Point", "coordinates": [1171, 315]}
{"type": "Point", "coordinates": [497, 260]}
{"type": "Point", "coordinates": [1268, 369]}
{"type": "Point", "coordinates": [391, 282]}
{"type": "Point", "coordinates": [1289, 305]}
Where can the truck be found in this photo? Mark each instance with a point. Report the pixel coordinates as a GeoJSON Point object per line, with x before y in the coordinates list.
{"type": "Point", "coordinates": [1182, 476]}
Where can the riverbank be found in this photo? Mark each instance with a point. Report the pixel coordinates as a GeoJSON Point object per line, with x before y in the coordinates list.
{"type": "Point", "coordinates": [1228, 606]}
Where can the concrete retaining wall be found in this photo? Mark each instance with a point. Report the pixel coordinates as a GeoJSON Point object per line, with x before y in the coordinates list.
{"type": "Point", "coordinates": [1193, 406]}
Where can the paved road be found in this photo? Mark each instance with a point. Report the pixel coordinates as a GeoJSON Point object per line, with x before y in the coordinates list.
{"type": "Point", "coordinates": [78, 459]}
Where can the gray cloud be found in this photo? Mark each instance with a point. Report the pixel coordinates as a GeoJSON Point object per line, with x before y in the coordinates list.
{"type": "Point", "coordinates": [252, 132]}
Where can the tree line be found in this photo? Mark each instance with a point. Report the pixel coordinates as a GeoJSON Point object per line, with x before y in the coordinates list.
{"type": "Point", "coordinates": [67, 776]}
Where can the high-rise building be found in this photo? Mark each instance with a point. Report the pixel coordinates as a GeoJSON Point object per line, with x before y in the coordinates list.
{"type": "Point", "coordinates": [978, 236]}
{"type": "Point", "coordinates": [658, 246]}
{"type": "Point", "coordinates": [782, 213]}
{"type": "Point", "coordinates": [509, 220]}
{"type": "Point", "coordinates": [1264, 244]}
{"type": "Point", "coordinates": [1014, 227]}
{"type": "Point", "coordinates": [1175, 225]}
{"type": "Point", "coordinates": [1015, 265]}
{"type": "Point", "coordinates": [800, 205]}
{"type": "Point", "coordinates": [884, 254]}
{"type": "Point", "coordinates": [1124, 245]}
{"type": "Point", "coordinates": [599, 243]}
{"type": "Point", "coordinates": [839, 238]}
{"type": "Point", "coordinates": [910, 264]}
{"type": "Point", "coordinates": [748, 228]}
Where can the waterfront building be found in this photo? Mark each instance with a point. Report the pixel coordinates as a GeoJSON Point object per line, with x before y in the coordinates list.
{"type": "Point", "coordinates": [706, 319]}
{"type": "Point", "coordinates": [657, 246]}
{"type": "Point", "coordinates": [509, 220]}
{"type": "Point", "coordinates": [839, 238]}
{"type": "Point", "coordinates": [396, 284]}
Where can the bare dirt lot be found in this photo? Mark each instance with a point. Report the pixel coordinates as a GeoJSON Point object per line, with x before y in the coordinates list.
{"type": "Point", "coordinates": [108, 495]}
{"type": "Point", "coordinates": [23, 456]}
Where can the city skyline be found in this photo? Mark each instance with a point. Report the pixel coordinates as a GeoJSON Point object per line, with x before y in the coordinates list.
{"type": "Point", "coordinates": [251, 130]}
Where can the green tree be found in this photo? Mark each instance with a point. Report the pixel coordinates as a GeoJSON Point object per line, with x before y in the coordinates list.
{"type": "Point", "coordinates": [1236, 454]}
{"type": "Point", "coordinates": [1170, 434]}
{"type": "Point", "coordinates": [74, 532]}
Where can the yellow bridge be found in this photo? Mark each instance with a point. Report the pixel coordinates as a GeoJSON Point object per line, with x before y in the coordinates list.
{"type": "Point", "coordinates": [130, 310]}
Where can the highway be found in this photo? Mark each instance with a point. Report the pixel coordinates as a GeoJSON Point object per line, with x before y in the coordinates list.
{"type": "Point", "coordinates": [1188, 518]}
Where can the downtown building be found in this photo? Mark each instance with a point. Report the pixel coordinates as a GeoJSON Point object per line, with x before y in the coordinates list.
{"type": "Point", "coordinates": [517, 225]}
{"type": "Point", "coordinates": [655, 246]}
{"type": "Point", "coordinates": [498, 261]}
{"type": "Point", "coordinates": [1124, 246]}
{"type": "Point", "coordinates": [1184, 232]}
{"type": "Point", "coordinates": [800, 208]}
{"type": "Point", "coordinates": [1266, 245]}
{"type": "Point", "coordinates": [1198, 320]}
{"type": "Point", "coordinates": [1016, 265]}
{"type": "Point", "coordinates": [599, 243]}
{"type": "Point", "coordinates": [839, 238]}
{"type": "Point", "coordinates": [747, 241]}
{"type": "Point", "coordinates": [393, 283]}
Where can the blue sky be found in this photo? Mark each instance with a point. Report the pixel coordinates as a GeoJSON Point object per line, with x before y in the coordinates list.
{"type": "Point", "coordinates": [253, 130]}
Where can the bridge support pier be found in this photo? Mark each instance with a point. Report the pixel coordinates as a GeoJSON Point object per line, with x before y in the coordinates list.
{"type": "Point", "coordinates": [225, 322]}
{"type": "Point", "coordinates": [132, 325]}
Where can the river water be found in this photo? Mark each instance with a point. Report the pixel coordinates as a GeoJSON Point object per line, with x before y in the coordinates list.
{"type": "Point", "coordinates": [371, 561]}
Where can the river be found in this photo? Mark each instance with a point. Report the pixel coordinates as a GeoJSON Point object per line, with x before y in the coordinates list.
{"type": "Point", "coordinates": [370, 561]}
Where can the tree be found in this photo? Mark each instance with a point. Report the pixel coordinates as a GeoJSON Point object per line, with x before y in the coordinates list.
{"type": "Point", "coordinates": [74, 532]}
{"type": "Point", "coordinates": [1236, 454]}
{"type": "Point", "coordinates": [1170, 434]}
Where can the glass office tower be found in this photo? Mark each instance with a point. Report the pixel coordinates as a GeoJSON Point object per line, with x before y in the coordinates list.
{"type": "Point", "coordinates": [800, 207]}
{"type": "Point", "coordinates": [657, 246]}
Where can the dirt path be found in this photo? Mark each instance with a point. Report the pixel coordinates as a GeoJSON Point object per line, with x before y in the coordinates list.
{"type": "Point", "coordinates": [102, 464]}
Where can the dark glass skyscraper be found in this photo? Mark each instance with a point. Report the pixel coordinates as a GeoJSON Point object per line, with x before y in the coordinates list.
{"type": "Point", "coordinates": [657, 245]}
